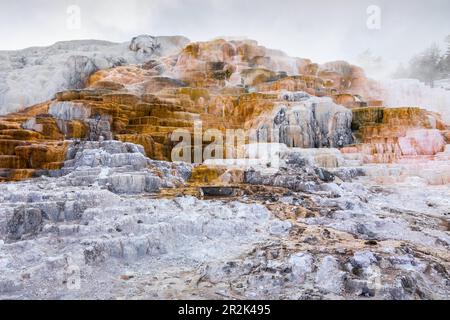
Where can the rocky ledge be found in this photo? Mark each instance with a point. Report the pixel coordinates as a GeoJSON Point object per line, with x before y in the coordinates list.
{"type": "Point", "coordinates": [339, 197]}
{"type": "Point", "coordinates": [79, 234]}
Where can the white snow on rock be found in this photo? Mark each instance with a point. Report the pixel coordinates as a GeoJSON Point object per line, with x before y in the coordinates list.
{"type": "Point", "coordinates": [412, 92]}
{"type": "Point", "coordinates": [34, 75]}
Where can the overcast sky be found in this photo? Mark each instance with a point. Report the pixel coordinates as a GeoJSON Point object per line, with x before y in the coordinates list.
{"type": "Point", "coordinates": [322, 30]}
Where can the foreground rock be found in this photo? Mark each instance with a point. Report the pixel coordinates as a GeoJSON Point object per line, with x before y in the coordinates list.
{"type": "Point", "coordinates": [80, 235]}
{"type": "Point", "coordinates": [121, 168]}
{"type": "Point", "coordinates": [102, 237]}
{"type": "Point", "coordinates": [298, 218]}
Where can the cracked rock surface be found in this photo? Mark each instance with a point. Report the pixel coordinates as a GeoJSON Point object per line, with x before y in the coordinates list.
{"type": "Point", "coordinates": [78, 235]}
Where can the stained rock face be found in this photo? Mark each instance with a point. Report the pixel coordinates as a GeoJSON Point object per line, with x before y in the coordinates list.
{"type": "Point", "coordinates": [226, 84]}
{"type": "Point", "coordinates": [69, 111]}
{"type": "Point", "coordinates": [339, 197]}
{"type": "Point", "coordinates": [34, 75]}
{"type": "Point", "coordinates": [422, 142]}
{"type": "Point", "coordinates": [307, 122]}
{"type": "Point", "coordinates": [389, 135]}
{"type": "Point", "coordinates": [121, 167]}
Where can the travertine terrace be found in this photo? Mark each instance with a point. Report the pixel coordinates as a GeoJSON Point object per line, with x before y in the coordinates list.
{"type": "Point", "coordinates": [92, 204]}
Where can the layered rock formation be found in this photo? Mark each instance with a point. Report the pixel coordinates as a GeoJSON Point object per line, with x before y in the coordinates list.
{"type": "Point", "coordinates": [322, 192]}
{"type": "Point", "coordinates": [34, 75]}
{"type": "Point", "coordinates": [211, 81]}
{"type": "Point", "coordinates": [389, 134]}
{"type": "Point", "coordinates": [300, 234]}
{"type": "Point", "coordinates": [306, 122]}
{"type": "Point", "coordinates": [30, 142]}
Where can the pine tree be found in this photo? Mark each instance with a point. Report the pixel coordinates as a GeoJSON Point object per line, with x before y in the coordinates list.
{"type": "Point", "coordinates": [446, 59]}
{"type": "Point", "coordinates": [448, 45]}
{"type": "Point", "coordinates": [427, 66]}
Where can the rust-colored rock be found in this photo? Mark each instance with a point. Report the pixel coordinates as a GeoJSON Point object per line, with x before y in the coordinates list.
{"type": "Point", "coordinates": [31, 141]}
{"type": "Point", "coordinates": [386, 135]}
{"type": "Point", "coordinates": [225, 84]}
